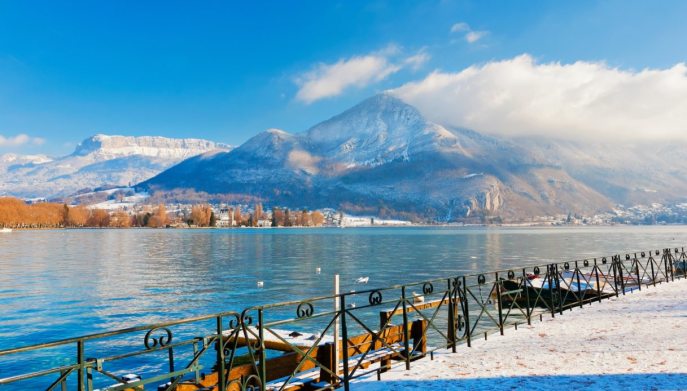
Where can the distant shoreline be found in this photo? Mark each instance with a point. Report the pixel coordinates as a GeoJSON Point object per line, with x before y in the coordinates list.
{"type": "Point", "coordinates": [407, 226]}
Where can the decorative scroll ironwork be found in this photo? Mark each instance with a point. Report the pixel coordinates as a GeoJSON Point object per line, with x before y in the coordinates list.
{"type": "Point", "coordinates": [151, 342]}
{"type": "Point", "coordinates": [427, 288]}
{"type": "Point", "coordinates": [481, 279]}
{"type": "Point", "coordinates": [375, 297]}
{"type": "Point", "coordinates": [304, 310]}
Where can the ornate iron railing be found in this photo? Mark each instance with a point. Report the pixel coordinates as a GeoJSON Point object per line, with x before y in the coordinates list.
{"type": "Point", "coordinates": [293, 344]}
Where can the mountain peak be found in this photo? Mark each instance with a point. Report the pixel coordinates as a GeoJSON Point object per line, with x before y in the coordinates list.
{"type": "Point", "coordinates": [381, 116]}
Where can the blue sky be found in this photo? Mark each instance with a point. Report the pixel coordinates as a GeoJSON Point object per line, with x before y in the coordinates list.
{"type": "Point", "coordinates": [228, 70]}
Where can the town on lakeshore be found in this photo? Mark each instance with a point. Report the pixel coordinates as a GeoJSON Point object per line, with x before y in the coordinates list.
{"type": "Point", "coordinates": [123, 208]}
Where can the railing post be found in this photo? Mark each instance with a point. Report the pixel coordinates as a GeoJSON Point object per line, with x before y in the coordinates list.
{"type": "Point", "coordinates": [344, 343]}
{"type": "Point", "coordinates": [466, 314]}
{"type": "Point", "coordinates": [197, 372]}
{"type": "Point", "coordinates": [170, 354]}
{"type": "Point", "coordinates": [620, 272]}
{"type": "Point", "coordinates": [653, 275]}
{"type": "Point", "coordinates": [525, 282]}
{"type": "Point", "coordinates": [498, 302]}
{"type": "Point", "coordinates": [221, 370]}
{"type": "Point", "coordinates": [549, 268]}
{"type": "Point", "coordinates": [669, 271]}
{"type": "Point", "coordinates": [615, 278]}
{"type": "Point", "coordinates": [579, 288]}
{"type": "Point", "coordinates": [635, 262]}
{"type": "Point", "coordinates": [598, 281]}
{"type": "Point", "coordinates": [63, 383]}
{"type": "Point", "coordinates": [80, 359]}
{"type": "Point", "coordinates": [89, 378]}
{"type": "Point", "coordinates": [451, 316]}
{"type": "Point", "coordinates": [406, 328]}
{"type": "Point", "coordinates": [263, 356]}
{"type": "Point", "coordinates": [558, 288]}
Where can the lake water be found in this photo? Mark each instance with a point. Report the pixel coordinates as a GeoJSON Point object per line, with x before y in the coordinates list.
{"type": "Point", "coordinates": [63, 283]}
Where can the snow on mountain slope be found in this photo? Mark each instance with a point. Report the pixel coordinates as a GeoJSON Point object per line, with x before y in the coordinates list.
{"type": "Point", "coordinates": [97, 161]}
{"type": "Point", "coordinates": [383, 155]}
{"type": "Point", "coordinates": [376, 131]}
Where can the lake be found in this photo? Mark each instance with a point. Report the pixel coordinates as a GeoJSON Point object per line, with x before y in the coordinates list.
{"type": "Point", "coordinates": [62, 283]}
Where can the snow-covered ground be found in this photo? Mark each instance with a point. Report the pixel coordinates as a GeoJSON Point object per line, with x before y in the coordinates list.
{"type": "Point", "coordinates": [635, 342]}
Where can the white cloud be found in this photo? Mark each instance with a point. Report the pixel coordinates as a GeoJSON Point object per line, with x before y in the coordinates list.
{"type": "Point", "coordinates": [416, 61]}
{"type": "Point", "coordinates": [460, 27]}
{"type": "Point", "coordinates": [328, 80]}
{"type": "Point", "coordinates": [474, 36]}
{"type": "Point", "coordinates": [19, 139]}
{"type": "Point", "coordinates": [582, 100]}
{"type": "Point", "coordinates": [471, 36]}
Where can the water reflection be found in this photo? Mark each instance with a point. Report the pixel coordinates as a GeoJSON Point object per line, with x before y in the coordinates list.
{"type": "Point", "coordinates": [56, 284]}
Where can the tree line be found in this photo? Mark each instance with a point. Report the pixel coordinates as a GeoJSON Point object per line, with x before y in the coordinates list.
{"type": "Point", "coordinates": [15, 213]}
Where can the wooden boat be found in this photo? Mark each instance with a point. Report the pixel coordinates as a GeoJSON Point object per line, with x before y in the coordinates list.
{"type": "Point", "coordinates": [537, 291]}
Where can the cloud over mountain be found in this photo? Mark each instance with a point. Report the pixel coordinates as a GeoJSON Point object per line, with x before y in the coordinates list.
{"type": "Point", "coordinates": [20, 139]}
{"type": "Point", "coordinates": [328, 80]}
{"type": "Point", "coordinates": [582, 100]}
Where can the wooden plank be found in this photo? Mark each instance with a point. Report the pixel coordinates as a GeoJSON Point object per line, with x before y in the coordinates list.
{"type": "Point", "coordinates": [385, 315]}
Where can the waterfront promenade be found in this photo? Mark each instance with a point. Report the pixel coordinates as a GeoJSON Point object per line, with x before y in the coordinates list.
{"type": "Point", "coordinates": [633, 342]}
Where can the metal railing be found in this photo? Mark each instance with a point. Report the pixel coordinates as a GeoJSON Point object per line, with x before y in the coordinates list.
{"type": "Point", "coordinates": [288, 345]}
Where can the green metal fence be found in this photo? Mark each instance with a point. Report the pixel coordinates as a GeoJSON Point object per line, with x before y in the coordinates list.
{"type": "Point", "coordinates": [295, 344]}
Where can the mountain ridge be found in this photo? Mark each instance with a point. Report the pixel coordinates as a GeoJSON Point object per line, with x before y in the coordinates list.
{"type": "Point", "coordinates": [382, 156]}
{"type": "Point", "coordinates": [99, 160]}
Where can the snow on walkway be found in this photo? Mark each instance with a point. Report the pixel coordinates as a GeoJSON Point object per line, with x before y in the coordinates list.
{"type": "Point", "coordinates": [634, 342]}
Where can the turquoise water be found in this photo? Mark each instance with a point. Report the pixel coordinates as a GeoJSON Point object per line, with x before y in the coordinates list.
{"type": "Point", "coordinates": [64, 283]}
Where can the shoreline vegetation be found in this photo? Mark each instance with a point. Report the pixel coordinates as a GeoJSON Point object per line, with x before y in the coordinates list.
{"type": "Point", "coordinates": [17, 214]}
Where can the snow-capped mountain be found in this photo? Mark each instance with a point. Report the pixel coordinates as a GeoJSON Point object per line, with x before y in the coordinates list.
{"type": "Point", "coordinates": [383, 157]}
{"type": "Point", "coordinates": [100, 160]}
